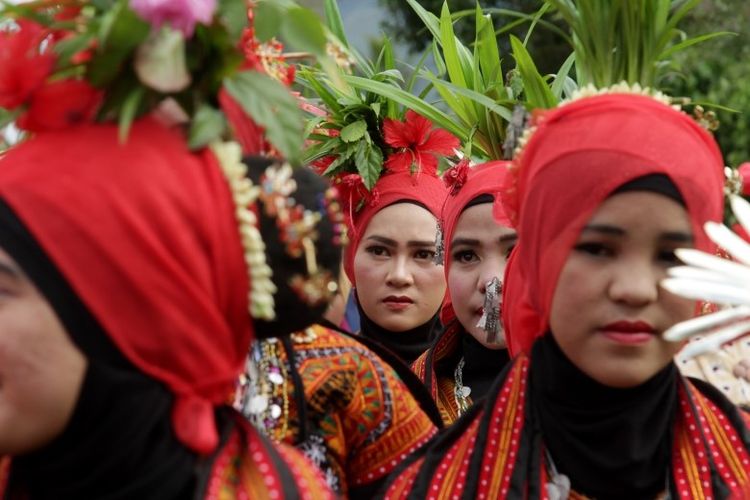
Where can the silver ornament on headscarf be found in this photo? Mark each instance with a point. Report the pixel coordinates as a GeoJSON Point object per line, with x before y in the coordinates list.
{"type": "Point", "coordinates": [490, 320]}
{"type": "Point", "coordinates": [439, 258]}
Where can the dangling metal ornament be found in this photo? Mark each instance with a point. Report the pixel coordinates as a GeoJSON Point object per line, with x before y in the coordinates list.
{"type": "Point", "coordinates": [518, 122]}
{"type": "Point", "coordinates": [490, 320]}
{"type": "Point", "coordinates": [439, 258]}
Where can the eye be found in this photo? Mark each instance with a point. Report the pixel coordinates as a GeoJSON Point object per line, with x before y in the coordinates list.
{"type": "Point", "coordinates": [668, 257]}
{"type": "Point", "coordinates": [424, 254]}
{"type": "Point", "coordinates": [465, 256]}
{"type": "Point", "coordinates": [377, 251]}
{"type": "Point", "coordinates": [596, 249]}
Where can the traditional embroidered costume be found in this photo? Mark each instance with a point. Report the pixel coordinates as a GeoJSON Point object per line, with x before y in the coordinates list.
{"type": "Point", "coordinates": [548, 430]}
{"type": "Point", "coordinates": [456, 357]}
{"type": "Point", "coordinates": [339, 403]}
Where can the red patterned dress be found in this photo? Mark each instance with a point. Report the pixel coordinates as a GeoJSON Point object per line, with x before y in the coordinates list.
{"type": "Point", "coordinates": [495, 453]}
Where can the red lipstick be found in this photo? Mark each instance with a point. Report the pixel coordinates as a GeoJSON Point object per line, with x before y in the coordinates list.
{"type": "Point", "coordinates": [629, 332]}
{"type": "Point", "coordinates": [397, 302]}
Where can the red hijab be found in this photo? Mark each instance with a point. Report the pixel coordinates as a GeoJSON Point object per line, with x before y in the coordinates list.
{"type": "Point", "coordinates": [581, 153]}
{"type": "Point", "coordinates": [424, 188]}
{"type": "Point", "coordinates": [145, 234]}
{"type": "Point", "coordinates": [465, 184]}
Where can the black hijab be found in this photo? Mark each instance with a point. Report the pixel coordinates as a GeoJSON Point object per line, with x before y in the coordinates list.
{"type": "Point", "coordinates": [119, 442]}
{"type": "Point", "coordinates": [407, 345]}
{"type": "Point", "coordinates": [612, 443]}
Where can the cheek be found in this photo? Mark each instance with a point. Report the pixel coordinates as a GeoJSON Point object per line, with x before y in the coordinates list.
{"type": "Point", "coordinates": [367, 271]}
{"type": "Point", "coordinates": [461, 286]}
{"type": "Point", "coordinates": [432, 285]}
{"type": "Point", "coordinates": [677, 309]}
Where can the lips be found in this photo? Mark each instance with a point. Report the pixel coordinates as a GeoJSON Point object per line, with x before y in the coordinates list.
{"type": "Point", "coordinates": [628, 332]}
{"type": "Point", "coordinates": [398, 302]}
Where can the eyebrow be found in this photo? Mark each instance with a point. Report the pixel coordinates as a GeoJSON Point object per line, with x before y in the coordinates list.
{"type": "Point", "coordinates": [470, 242]}
{"type": "Point", "coordinates": [393, 243]}
{"type": "Point", "coordinates": [674, 236]}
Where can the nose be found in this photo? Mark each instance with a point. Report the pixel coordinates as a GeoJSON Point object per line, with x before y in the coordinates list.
{"type": "Point", "coordinates": [635, 284]}
{"type": "Point", "coordinates": [491, 268]}
{"type": "Point", "coordinates": [399, 274]}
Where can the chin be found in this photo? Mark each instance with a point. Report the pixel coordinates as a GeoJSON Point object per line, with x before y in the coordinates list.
{"type": "Point", "coordinates": [398, 324]}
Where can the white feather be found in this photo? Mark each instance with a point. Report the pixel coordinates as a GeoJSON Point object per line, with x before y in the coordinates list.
{"type": "Point", "coordinates": [695, 273]}
{"type": "Point", "coordinates": [701, 324]}
{"type": "Point", "coordinates": [726, 239]}
{"type": "Point", "coordinates": [723, 293]}
{"type": "Point", "coordinates": [697, 258]}
{"type": "Point", "coordinates": [741, 209]}
{"type": "Point", "coordinates": [715, 340]}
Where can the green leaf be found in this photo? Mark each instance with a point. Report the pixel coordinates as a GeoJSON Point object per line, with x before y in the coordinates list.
{"type": "Point", "coordinates": [233, 14]}
{"type": "Point", "coordinates": [268, 22]}
{"type": "Point", "coordinates": [692, 41]}
{"type": "Point", "coordinates": [538, 93]}
{"type": "Point", "coordinates": [450, 50]}
{"type": "Point", "coordinates": [439, 63]}
{"type": "Point", "coordinates": [354, 131]}
{"type": "Point", "coordinates": [120, 34]}
{"type": "Point", "coordinates": [410, 101]}
{"type": "Point", "coordinates": [128, 112]}
{"type": "Point", "coordinates": [562, 75]}
{"type": "Point", "coordinates": [486, 47]}
{"type": "Point", "coordinates": [69, 47]}
{"type": "Point", "coordinates": [369, 160]}
{"type": "Point", "coordinates": [207, 125]}
{"type": "Point", "coordinates": [334, 21]}
{"type": "Point", "coordinates": [428, 18]}
{"type": "Point", "coordinates": [273, 107]}
{"type": "Point", "coordinates": [303, 29]}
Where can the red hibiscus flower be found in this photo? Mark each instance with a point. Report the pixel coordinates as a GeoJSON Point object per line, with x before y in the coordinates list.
{"type": "Point", "coordinates": [455, 178]}
{"type": "Point", "coordinates": [60, 105]}
{"type": "Point", "coordinates": [23, 66]}
{"type": "Point", "coordinates": [321, 165]}
{"type": "Point", "coordinates": [417, 144]}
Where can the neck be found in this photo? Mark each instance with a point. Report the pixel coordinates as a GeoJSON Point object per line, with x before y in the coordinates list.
{"type": "Point", "coordinates": [118, 444]}
{"type": "Point", "coordinates": [407, 345]}
{"type": "Point", "coordinates": [611, 442]}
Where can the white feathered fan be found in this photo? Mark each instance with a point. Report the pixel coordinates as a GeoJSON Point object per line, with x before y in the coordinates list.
{"type": "Point", "coordinates": [717, 280]}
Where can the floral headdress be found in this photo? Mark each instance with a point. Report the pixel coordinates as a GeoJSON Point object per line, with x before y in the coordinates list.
{"type": "Point", "coordinates": [70, 62]}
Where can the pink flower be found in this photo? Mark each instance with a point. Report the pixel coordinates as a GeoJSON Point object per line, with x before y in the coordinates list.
{"type": "Point", "coordinates": [418, 144]}
{"type": "Point", "coordinates": [181, 15]}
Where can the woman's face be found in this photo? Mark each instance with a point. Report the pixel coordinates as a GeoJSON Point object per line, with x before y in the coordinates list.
{"type": "Point", "coordinates": [479, 251]}
{"type": "Point", "coordinates": [41, 370]}
{"type": "Point", "coordinates": [608, 311]}
{"type": "Point", "coordinates": [398, 285]}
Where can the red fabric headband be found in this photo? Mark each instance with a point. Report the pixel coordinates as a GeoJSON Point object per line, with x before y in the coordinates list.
{"type": "Point", "coordinates": [579, 155]}
{"type": "Point", "coordinates": [145, 233]}
{"type": "Point", "coordinates": [422, 188]}
{"type": "Point", "coordinates": [467, 183]}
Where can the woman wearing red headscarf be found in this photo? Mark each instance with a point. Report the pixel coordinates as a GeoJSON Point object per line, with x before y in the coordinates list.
{"type": "Point", "coordinates": [593, 405]}
{"type": "Point", "coordinates": [460, 366]}
{"type": "Point", "coordinates": [125, 322]}
{"type": "Point", "coordinates": [392, 229]}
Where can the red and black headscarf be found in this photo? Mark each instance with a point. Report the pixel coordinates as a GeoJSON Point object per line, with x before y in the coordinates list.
{"type": "Point", "coordinates": [144, 234]}
{"type": "Point", "coordinates": [609, 140]}
{"type": "Point", "coordinates": [465, 184]}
